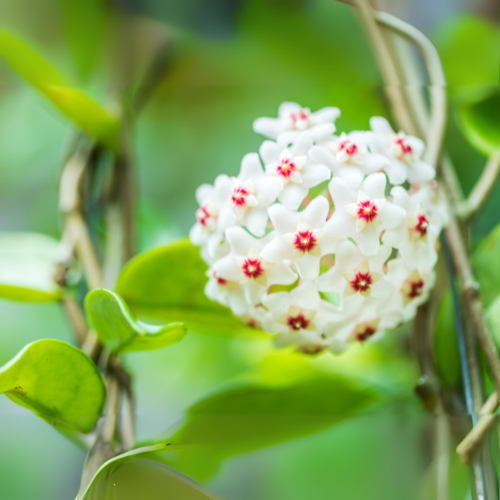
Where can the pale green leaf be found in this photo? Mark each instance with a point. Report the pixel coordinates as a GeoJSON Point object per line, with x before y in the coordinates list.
{"type": "Point", "coordinates": [72, 102]}
{"type": "Point", "coordinates": [118, 329]}
{"type": "Point", "coordinates": [256, 415]}
{"type": "Point", "coordinates": [131, 477]}
{"type": "Point", "coordinates": [27, 265]}
{"type": "Point", "coordinates": [56, 381]}
{"type": "Point", "coordinates": [168, 284]}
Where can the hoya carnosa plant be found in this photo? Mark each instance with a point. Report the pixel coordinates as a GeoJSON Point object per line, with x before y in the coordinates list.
{"type": "Point", "coordinates": [325, 270]}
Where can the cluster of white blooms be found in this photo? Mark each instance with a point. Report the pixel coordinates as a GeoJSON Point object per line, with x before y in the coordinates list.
{"type": "Point", "coordinates": [322, 270]}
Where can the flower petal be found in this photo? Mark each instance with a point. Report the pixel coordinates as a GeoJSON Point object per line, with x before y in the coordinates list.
{"type": "Point", "coordinates": [341, 193]}
{"type": "Point", "coordinates": [250, 167]}
{"type": "Point", "coordinates": [312, 175]}
{"type": "Point", "coordinates": [368, 240]}
{"type": "Point", "coordinates": [269, 152]}
{"type": "Point", "coordinates": [305, 296]}
{"type": "Point", "coordinates": [392, 215]}
{"type": "Point", "coordinates": [267, 190]}
{"type": "Point", "coordinates": [302, 144]}
{"type": "Point", "coordinates": [255, 220]}
{"type": "Point", "coordinates": [374, 185]}
{"type": "Point", "coordinates": [292, 195]}
{"type": "Point", "coordinates": [268, 127]}
{"type": "Point", "coordinates": [281, 274]}
{"type": "Point", "coordinates": [316, 212]}
{"type": "Point", "coordinates": [308, 266]}
{"type": "Point", "coordinates": [380, 125]}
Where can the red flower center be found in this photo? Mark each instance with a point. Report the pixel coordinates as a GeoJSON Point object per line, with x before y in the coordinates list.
{"type": "Point", "coordinates": [405, 148]}
{"type": "Point", "coordinates": [365, 334]}
{"type": "Point", "coordinates": [300, 116]}
{"type": "Point", "coordinates": [203, 215]}
{"type": "Point", "coordinates": [285, 167]}
{"type": "Point", "coordinates": [349, 147]}
{"type": "Point", "coordinates": [361, 282]}
{"type": "Point", "coordinates": [422, 225]}
{"type": "Point", "coordinates": [298, 322]}
{"type": "Point", "coordinates": [416, 288]}
{"type": "Point", "coordinates": [367, 210]}
{"type": "Point", "coordinates": [220, 281]}
{"type": "Point", "coordinates": [305, 241]}
{"type": "Point", "coordinates": [239, 196]}
{"type": "Point", "coordinates": [252, 268]}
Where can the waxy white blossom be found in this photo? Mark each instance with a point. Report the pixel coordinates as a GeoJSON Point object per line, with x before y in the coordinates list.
{"type": "Point", "coordinates": [293, 119]}
{"type": "Point", "coordinates": [322, 267]}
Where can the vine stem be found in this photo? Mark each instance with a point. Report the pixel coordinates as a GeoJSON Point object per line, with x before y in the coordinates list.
{"type": "Point", "coordinates": [482, 189]}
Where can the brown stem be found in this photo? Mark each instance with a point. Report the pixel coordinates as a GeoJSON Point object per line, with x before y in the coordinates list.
{"type": "Point", "coordinates": [76, 317]}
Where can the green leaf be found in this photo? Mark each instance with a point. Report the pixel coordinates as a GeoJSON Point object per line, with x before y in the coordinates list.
{"type": "Point", "coordinates": [445, 344]}
{"type": "Point", "coordinates": [254, 416]}
{"type": "Point", "coordinates": [130, 477]}
{"type": "Point", "coordinates": [73, 103]}
{"type": "Point", "coordinates": [493, 318]}
{"type": "Point", "coordinates": [56, 381]}
{"type": "Point", "coordinates": [480, 124]}
{"type": "Point", "coordinates": [27, 265]}
{"type": "Point", "coordinates": [119, 330]}
{"type": "Point", "coordinates": [468, 46]}
{"type": "Point", "coordinates": [485, 260]}
{"type": "Point", "coordinates": [168, 283]}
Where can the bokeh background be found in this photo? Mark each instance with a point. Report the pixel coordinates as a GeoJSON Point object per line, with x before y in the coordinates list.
{"type": "Point", "coordinates": [235, 60]}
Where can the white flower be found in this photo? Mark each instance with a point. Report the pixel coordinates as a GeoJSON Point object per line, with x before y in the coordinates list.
{"type": "Point", "coordinates": [362, 214]}
{"type": "Point", "coordinates": [348, 157]}
{"type": "Point", "coordinates": [226, 292]}
{"type": "Point", "coordinates": [404, 153]}
{"type": "Point", "coordinates": [411, 288]}
{"type": "Point", "coordinates": [300, 236]}
{"type": "Point", "coordinates": [293, 119]}
{"type": "Point", "coordinates": [370, 256]}
{"type": "Point", "coordinates": [213, 216]}
{"type": "Point", "coordinates": [251, 193]}
{"type": "Point", "coordinates": [246, 265]}
{"type": "Point", "coordinates": [294, 315]}
{"type": "Point", "coordinates": [416, 236]}
{"type": "Point", "coordinates": [355, 277]}
{"type": "Point", "coordinates": [293, 167]}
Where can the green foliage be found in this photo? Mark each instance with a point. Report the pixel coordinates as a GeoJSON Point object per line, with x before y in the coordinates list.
{"type": "Point", "coordinates": [168, 284]}
{"type": "Point", "coordinates": [27, 265]}
{"type": "Point", "coordinates": [73, 103]}
{"type": "Point", "coordinates": [445, 344]}
{"type": "Point", "coordinates": [130, 477]}
{"type": "Point", "coordinates": [256, 415]}
{"type": "Point", "coordinates": [480, 125]}
{"type": "Point", "coordinates": [56, 381]}
{"type": "Point", "coordinates": [468, 47]}
{"type": "Point", "coordinates": [493, 318]}
{"type": "Point", "coordinates": [119, 330]}
{"type": "Point", "coordinates": [485, 260]}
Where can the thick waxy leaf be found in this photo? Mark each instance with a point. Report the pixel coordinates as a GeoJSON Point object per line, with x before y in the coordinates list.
{"type": "Point", "coordinates": [119, 330]}
{"type": "Point", "coordinates": [258, 415]}
{"type": "Point", "coordinates": [131, 477]}
{"type": "Point", "coordinates": [168, 284]}
{"type": "Point", "coordinates": [485, 262]}
{"type": "Point", "coordinates": [75, 104]}
{"type": "Point", "coordinates": [58, 382]}
{"type": "Point", "coordinates": [480, 124]}
{"type": "Point", "coordinates": [445, 344]}
{"type": "Point", "coordinates": [27, 264]}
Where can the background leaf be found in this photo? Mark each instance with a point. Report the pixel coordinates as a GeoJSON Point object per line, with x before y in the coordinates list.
{"type": "Point", "coordinates": [118, 329]}
{"type": "Point", "coordinates": [168, 284]}
{"type": "Point", "coordinates": [130, 477]}
{"type": "Point", "coordinates": [468, 46]}
{"type": "Point", "coordinates": [445, 344]}
{"type": "Point", "coordinates": [74, 103]}
{"type": "Point", "coordinates": [480, 124]}
{"type": "Point", "coordinates": [27, 265]}
{"type": "Point", "coordinates": [56, 381]}
{"type": "Point", "coordinates": [254, 416]}
{"type": "Point", "coordinates": [485, 260]}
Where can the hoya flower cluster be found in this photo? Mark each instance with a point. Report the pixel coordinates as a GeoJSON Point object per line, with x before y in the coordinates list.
{"type": "Point", "coordinates": [322, 239]}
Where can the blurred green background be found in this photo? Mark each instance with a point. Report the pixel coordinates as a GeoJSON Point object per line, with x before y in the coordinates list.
{"type": "Point", "coordinates": [233, 62]}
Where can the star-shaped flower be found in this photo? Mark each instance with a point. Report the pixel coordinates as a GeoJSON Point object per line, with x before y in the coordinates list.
{"type": "Point", "coordinates": [362, 214]}
{"type": "Point", "coordinates": [293, 119]}
{"type": "Point", "coordinates": [294, 168]}
{"type": "Point", "coordinates": [300, 236]}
